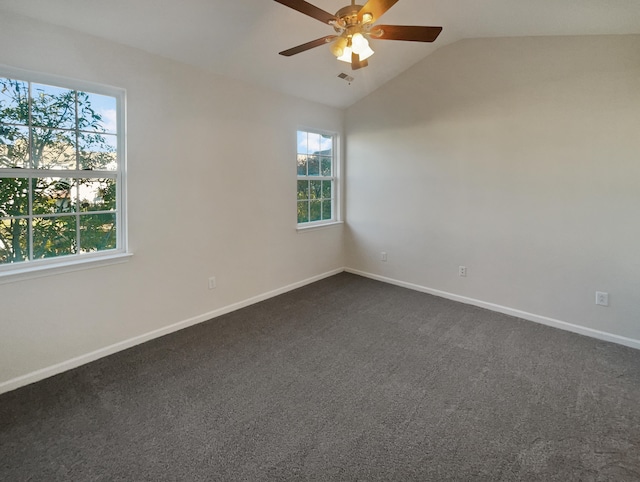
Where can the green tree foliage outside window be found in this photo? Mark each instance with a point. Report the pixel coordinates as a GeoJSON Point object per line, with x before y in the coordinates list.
{"type": "Point", "coordinates": [58, 172]}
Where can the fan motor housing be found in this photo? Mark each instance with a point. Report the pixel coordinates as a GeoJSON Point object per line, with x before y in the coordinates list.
{"type": "Point", "coordinates": [349, 15]}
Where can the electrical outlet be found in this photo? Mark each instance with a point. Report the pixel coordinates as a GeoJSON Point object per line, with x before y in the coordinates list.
{"type": "Point", "coordinates": [212, 282]}
{"type": "Point", "coordinates": [602, 298]}
{"type": "Point", "coordinates": [383, 256]}
{"type": "Point", "coordinates": [462, 271]}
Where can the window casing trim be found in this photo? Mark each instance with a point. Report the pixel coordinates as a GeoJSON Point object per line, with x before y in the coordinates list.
{"type": "Point", "coordinates": [55, 266]}
{"type": "Point", "coordinates": [306, 227]}
{"type": "Point", "coordinates": [336, 218]}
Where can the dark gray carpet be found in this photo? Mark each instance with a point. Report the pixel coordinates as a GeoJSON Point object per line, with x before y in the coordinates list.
{"type": "Point", "coordinates": [345, 379]}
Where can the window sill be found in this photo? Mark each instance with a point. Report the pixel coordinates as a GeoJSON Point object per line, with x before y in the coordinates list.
{"type": "Point", "coordinates": [41, 271]}
{"type": "Point", "coordinates": [313, 227]}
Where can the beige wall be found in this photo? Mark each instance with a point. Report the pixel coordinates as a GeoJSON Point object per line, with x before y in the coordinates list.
{"type": "Point", "coordinates": [517, 157]}
{"type": "Point", "coordinates": [211, 188]}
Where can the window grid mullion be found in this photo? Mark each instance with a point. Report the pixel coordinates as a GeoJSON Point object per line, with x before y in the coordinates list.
{"type": "Point", "coordinates": [77, 214]}
{"type": "Point", "coordinates": [63, 215]}
{"type": "Point", "coordinates": [81, 174]}
{"type": "Point", "coordinates": [30, 235]}
{"type": "Point", "coordinates": [77, 183]}
{"type": "Point", "coordinates": [333, 183]}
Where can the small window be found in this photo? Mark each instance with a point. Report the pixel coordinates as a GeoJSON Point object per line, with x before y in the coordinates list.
{"type": "Point", "coordinates": [317, 190]}
{"type": "Point", "coordinates": [61, 171]}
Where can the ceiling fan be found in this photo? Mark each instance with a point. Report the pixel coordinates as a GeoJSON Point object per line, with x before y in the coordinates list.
{"type": "Point", "coordinates": [353, 24]}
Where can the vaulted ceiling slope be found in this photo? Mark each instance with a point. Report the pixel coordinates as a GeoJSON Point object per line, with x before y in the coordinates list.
{"type": "Point", "coordinates": [241, 38]}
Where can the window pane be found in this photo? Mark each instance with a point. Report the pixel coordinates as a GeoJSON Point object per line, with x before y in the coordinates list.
{"type": "Point", "coordinates": [14, 239]}
{"type": "Point", "coordinates": [326, 145]}
{"type": "Point", "coordinates": [326, 210]}
{"type": "Point", "coordinates": [98, 151]}
{"type": "Point", "coordinates": [326, 189]}
{"type": "Point", "coordinates": [97, 232]}
{"type": "Point", "coordinates": [53, 107]}
{"type": "Point", "coordinates": [316, 189]}
{"type": "Point", "coordinates": [315, 211]}
{"type": "Point", "coordinates": [325, 166]}
{"type": "Point", "coordinates": [14, 196]}
{"type": "Point", "coordinates": [14, 101]}
{"type": "Point", "coordinates": [303, 189]}
{"type": "Point", "coordinates": [97, 113]}
{"type": "Point", "coordinates": [54, 195]}
{"type": "Point", "coordinates": [303, 211]}
{"type": "Point", "coordinates": [314, 165]}
{"type": "Point", "coordinates": [302, 165]}
{"type": "Point", "coordinates": [302, 142]}
{"type": "Point", "coordinates": [14, 146]}
{"type": "Point", "coordinates": [54, 237]}
{"type": "Point", "coordinates": [313, 143]}
{"type": "Point", "coordinates": [54, 149]}
{"type": "Point", "coordinates": [96, 194]}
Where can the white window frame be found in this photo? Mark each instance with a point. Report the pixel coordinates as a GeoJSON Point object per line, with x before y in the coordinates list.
{"type": "Point", "coordinates": [334, 178]}
{"type": "Point", "coordinates": [77, 261]}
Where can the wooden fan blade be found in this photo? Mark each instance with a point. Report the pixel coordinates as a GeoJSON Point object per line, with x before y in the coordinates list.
{"type": "Point", "coordinates": [308, 46]}
{"type": "Point", "coordinates": [356, 63]}
{"type": "Point", "coordinates": [310, 10]}
{"type": "Point", "coordinates": [406, 32]}
{"type": "Point", "coordinates": [376, 8]}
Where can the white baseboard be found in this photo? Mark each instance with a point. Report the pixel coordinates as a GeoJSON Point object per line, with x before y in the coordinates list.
{"type": "Point", "coordinates": [563, 325]}
{"type": "Point", "coordinates": [123, 345]}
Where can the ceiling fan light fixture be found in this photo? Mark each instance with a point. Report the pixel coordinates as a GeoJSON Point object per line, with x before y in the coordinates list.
{"type": "Point", "coordinates": [354, 26]}
{"type": "Point", "coordinates": [346, 55]}
{"type": "Point", "coordinates": [338, 47]}
{"type": "Point", "coordinates": [366, 53]}
{"type": "Point", "coordinates": [359, 43]}
{"type": "Point", "coordinates": [360, 46]}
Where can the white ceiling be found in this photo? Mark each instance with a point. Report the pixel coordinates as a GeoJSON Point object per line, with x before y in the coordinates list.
{"type": "Point", "coordinates": [241, 38]}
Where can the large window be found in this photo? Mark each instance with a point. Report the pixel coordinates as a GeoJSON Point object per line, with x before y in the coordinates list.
{"type": "Point", "coordinates": [61, 168]}
{"type": "Point", "coordinates": [317, 202]}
